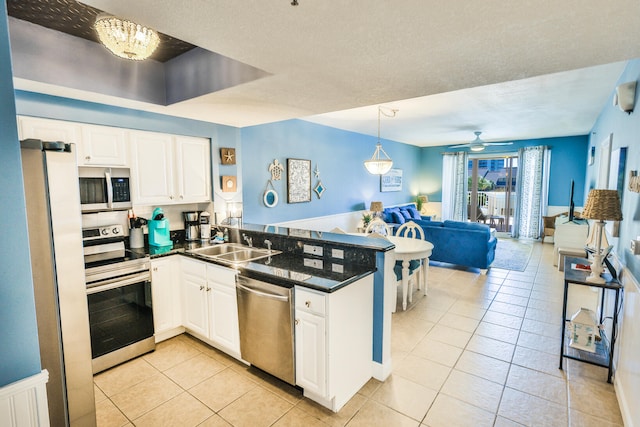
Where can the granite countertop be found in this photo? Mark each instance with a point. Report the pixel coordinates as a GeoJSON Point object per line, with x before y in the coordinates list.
{"type": "Point", "coordinates": [283, 268]}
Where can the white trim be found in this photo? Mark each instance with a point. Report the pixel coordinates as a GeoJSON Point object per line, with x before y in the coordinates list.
{"type": "Point", "coordinates": [24, 403]}
{"type": "Point", "coordinates": [626, 380]}
{"type": "Point", "coordinates": [381, 371]}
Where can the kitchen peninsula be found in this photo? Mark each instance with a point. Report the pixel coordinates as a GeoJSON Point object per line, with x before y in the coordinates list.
{"type": "Point", "coordinates": [341, 314]}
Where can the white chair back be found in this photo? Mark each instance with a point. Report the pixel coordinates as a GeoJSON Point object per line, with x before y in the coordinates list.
{"type": "Point", "coordinates": [411, 230]}
{"type": "Point", "coordinates": [377, 225]}
{"type": "Point", "coordinates": [378, 235]}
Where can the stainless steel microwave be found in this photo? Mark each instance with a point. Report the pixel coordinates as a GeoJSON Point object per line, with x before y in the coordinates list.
{"type": "Point", "coordinates": [104, 189]}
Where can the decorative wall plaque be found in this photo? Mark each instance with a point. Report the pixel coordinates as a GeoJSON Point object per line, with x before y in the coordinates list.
{"type": "Point", "coordinates": [228, 156]}
{"type": "Point", "coordinates": [228, 184]}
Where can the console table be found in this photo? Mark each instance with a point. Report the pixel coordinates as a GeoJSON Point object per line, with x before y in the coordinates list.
{"type": "Point", "coordinates": [604, 350]}
{"type": "Point", "coordinates": [569, 234]}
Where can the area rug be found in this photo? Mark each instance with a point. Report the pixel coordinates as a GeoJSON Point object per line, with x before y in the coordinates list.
{"type": "Point", "coordinates": [512, 254]}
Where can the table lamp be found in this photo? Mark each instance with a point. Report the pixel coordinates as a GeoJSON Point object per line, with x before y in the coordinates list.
{"type": "Point", "coordinates": [234, 213]}
{"type": "Point", "coordinates": [601, 205]}
{"type": "Point", "coordinates": [376, 208]}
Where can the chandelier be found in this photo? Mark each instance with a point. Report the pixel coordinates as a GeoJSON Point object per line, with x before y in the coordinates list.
{"type": "Point", "coordinates": [125, 38]}
{"type": "Point", "coordinates": [377, 164]}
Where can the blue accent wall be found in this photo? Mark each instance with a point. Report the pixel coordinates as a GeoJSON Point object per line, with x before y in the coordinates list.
{"type": "Point", "coordinates": [338, 155]}
{"type": "Point", "coordinates": [568, 162]}
{"type": "Point", "coordinates": [626, 133]}
{"type": "Point", "coordinates": [19, 349]}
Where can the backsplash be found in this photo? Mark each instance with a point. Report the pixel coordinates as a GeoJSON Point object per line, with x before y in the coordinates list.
{"type": "Point", "coordinates": [172, 212]}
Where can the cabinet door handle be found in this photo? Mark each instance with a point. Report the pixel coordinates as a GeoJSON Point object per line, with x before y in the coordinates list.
{"type": "Point", "coordinates": [307, 303]}
{"type": "Point", "coordinates": [171, 197]}
{"type": "Point", "coordinates": [155, 268]}
{"type": "Point", "coordinates": [208, 289]}
{"type": "Point", "coordinates": [297, 322]}
{"type": "Point", "coordinates": [201, 288]}
{"type": "Point", "coordinates": [87, 158]}
{"type": "Point", "coordinates": [181, 197]}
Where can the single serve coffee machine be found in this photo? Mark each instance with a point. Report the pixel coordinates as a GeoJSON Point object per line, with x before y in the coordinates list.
{"type": "Point", "coordinates": [191, 225]}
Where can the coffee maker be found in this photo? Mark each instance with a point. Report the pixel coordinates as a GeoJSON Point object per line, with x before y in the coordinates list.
{"type": "Point", "coordinates": [191, 226]}
{"type": "Point", "coordinates": [159, 235]}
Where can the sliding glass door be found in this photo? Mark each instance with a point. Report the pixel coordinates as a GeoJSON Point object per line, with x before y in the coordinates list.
{"type": "Point", "coordinates": [492, 190]}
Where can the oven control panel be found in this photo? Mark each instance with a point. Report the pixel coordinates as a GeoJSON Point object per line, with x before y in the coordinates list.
{"type": "Point", "coordinates": [103, 232]}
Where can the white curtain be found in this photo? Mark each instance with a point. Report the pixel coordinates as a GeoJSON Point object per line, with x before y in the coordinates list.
{"type": "Point", "coordinates": [454, 186]}
{"type": "Point", "coordinates": [532, 190]}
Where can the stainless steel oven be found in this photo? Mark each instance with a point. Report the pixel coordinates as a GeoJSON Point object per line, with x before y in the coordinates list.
{"type": "Point", "coordinates": [103, 189]}
{"type": "Point", "coordinates": [119, 298]}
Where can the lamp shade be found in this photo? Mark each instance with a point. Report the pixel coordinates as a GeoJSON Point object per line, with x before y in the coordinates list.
{"type": "Point", "coordinates": [376, 207]}
{"type": "Point", "coordinates": [603, 205]}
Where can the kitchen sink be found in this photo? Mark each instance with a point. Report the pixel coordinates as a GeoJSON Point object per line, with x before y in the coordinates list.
{"type": "Point", "coordinates": [217, 250]}
{"type": "Point", "coordinates": [232, 253]}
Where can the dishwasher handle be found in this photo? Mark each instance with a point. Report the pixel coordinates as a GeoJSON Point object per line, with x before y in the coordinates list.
{"type": "Point", "coordinates": [262, 294]}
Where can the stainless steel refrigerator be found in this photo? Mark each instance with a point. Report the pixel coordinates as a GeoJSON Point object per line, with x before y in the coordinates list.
{"type": "Point", "coordinates": [57, 262]}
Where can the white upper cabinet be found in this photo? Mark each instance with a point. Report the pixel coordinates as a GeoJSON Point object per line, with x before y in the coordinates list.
{"type": "Point", "coordinates": [95, 145]}
{"type": "Point", "coordinates": [102, 146]}
{"type": "Point", "coordinates": [151, 168]}
{"type": "Point", "coordinates": [169, 169]}
{"type": "Point", "coordinates": [49, 130]}
{"type": "Point", "coordinates": [193, 170]}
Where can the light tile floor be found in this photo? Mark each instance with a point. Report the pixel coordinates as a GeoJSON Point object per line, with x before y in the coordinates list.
{"type": "Point", "coordinates": [479, 350]}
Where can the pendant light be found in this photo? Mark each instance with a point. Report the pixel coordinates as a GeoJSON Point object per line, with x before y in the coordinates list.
{"type": "Point", "coordinates": [378, 165]}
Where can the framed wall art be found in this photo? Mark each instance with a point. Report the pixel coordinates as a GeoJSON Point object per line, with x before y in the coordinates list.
{"type": "Point", "coordinates": [391, 181]}
{"type": "Point", "coordinates": [298, 180]}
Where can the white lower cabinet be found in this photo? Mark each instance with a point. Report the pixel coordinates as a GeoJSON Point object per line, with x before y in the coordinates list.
{"type": "Point", "coordinates": [223, 307]}
{"type": "Point", "coordinates": [334, 341]}
{"type": "Point", "coordinates": [194, 301]}
{"type": "Point", "coordinates": [165, 291]}
{"type": "Point", "coordinates": [210, 309]}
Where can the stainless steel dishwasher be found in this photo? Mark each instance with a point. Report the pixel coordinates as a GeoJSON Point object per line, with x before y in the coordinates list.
{"type": "Point", "coordinates": [265, 314]}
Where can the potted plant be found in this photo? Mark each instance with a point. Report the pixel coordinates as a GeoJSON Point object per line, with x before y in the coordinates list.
{"type": "Point", "coordinates": [366, 219]}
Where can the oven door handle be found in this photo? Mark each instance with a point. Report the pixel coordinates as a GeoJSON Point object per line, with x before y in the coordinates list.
{"type": "Point", "coordinates": [105, 285]}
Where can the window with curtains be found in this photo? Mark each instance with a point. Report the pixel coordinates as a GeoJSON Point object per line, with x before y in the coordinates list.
{"type": "Point", "coordinates": [533, 185]}
{"type": "Point", "coordinates": [454, 186]}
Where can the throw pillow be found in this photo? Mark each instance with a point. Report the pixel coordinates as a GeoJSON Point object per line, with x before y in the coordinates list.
{"type": "Point", "coordinates": [413, 212]}
{"type": "Point", "coordinates": [405, 213]}
{"type": "Point", "coordinates": [397, 217]}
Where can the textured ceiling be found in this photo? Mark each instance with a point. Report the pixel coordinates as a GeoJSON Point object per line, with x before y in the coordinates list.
{"type": "Point", "coordinates": [76, 19]}
{"type": "Point", "coordinates": [514, 70]}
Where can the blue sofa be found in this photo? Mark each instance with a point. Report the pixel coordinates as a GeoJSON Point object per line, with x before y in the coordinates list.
{"type": "Point", "coordinates": [462, 243]}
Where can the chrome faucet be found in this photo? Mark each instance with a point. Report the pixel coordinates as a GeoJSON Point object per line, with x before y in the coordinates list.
{"type": "Point", "coordinates": [268, 243]}
{"type": "Point", "coordinates": [248, 239]}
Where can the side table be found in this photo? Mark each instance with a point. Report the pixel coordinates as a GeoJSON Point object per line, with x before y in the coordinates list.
{"type": "Point", "coordinates": [604, 350]}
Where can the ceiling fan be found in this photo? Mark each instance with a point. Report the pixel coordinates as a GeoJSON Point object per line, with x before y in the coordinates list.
{"type": "Point", "coordinates": [478, 144]}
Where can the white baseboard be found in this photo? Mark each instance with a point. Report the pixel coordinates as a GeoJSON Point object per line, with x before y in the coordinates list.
{"type": "Point", "coordinates": [381, 371]}
{"type": "Point", "coordinates": [165, 335]}
{"type": "Point", "coordinates": [24, 403]}
{"type": "Point", "coordinates": [627, 377]}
